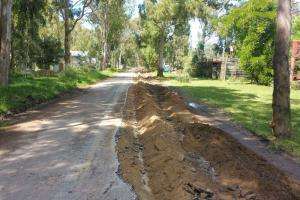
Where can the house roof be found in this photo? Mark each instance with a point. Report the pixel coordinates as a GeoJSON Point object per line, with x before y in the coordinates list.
{"type": "Point", "coordinates": [78, 53]}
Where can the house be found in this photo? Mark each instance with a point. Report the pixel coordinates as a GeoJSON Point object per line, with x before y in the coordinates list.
{"type": "Point", "coordinates": [295, 61]}
{"type": "Point", "coordinates": [79, 58]}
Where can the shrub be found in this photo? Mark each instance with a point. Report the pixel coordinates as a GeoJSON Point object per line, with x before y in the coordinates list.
{"type": "Point", "coordinates": [253, 27]}
{"type": "Point", "coordinates": [51, 52]}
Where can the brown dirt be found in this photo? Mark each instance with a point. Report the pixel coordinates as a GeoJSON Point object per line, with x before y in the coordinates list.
{"type": "Point", "coordinates": [167, 153]}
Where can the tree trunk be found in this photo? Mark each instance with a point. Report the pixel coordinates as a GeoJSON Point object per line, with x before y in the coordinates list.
{"type": "Point", "coordinates": [67, 48]}
{"type": "Point", "coordinates": [5, 40]}
{"type": "Point", "coordinates": [224, 67]}
{"type": "Point", "coordinates": [160, 69]}
{"type": "Point", "coordinates": [106, 50]}
{"type": "Point", "coordinates": [67, 39]}
{"type": "Point", "coordinates": [120, 61]}
{"type": "Point", "coordinates": [293, 65]}
{"type": "Point", "coordinates": [281, 123]}
{"type": "Point", "coordinates": [105, 55]}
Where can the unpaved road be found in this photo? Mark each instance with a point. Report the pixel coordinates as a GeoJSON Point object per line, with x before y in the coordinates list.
{"type": "Point", "coordinates": [67, 150]}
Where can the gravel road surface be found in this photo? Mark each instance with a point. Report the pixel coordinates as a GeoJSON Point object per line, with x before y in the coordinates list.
{"type": "Point", "coordinates": [67, 149]}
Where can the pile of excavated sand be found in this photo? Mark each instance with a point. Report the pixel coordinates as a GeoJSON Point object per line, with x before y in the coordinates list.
{"type": "Point", "coordinates": [166, 153]}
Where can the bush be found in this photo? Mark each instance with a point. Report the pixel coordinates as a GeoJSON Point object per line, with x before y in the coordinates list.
{"type": "Point", "coordinates": [253, 27]}
{"type": "Point", "coordinates": [51, 52]}
{"type": "Point", "coordinates": [150, 57]}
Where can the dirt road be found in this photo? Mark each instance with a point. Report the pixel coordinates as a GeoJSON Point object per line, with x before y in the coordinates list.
{"type": "Point", "coordinates": [66, 150]}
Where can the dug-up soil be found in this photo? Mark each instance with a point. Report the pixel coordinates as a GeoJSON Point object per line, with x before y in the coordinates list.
{"type": "Point", "coordinates": [165, 152]}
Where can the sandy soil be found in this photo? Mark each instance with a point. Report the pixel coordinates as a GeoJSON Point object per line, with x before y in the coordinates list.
{"type": "Point", "coordinates": [167, 153]}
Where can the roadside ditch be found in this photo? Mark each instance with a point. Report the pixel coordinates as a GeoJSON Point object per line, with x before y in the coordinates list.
{"type": "Point", "coordinates": [165, 152]}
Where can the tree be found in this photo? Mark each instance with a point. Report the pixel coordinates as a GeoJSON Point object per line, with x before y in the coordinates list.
{"type": "Point", "coordinates": [251, 27]}
{"type": "Point", "coordinates": [51, 52]}
{"type": "Point", "coordinates": [109, 17]}
{"type": "Point", "coordinates": [5, 40]}
{"type": "Point", "coordinates": [281, 123]}
{"type": "Point", "coordinates": [71, 12]}
{"type": "Point", "coordinates": [28, 19]}
{"type": "Point", "coordinates": [160, 19]}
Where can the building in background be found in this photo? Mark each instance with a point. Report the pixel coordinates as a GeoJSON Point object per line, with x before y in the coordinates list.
{"type": "Point", "coordinates": [295, 60]}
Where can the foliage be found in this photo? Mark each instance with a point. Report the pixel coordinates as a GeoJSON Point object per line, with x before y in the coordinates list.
{"type": "Point", "coordinates": [109, 18]}
{"type": "Point", "coordinates": [187, 71]}
{"type": "Point", "coordinates": [82, 38]}
{"type": "Point", "coordinates": [150, 57]}
{"type": "Point", "coordinates": [252, 26]}
{"type": "Point", "coordinates": [163, 23]}
{"type": "Point", "coordinates": [200, 65]}
{"type": "Point", "coordinates": [296, 28]}
{"type": "Point", "coordinates": [177, 50]}
{"type": "Point", "coordinates": [28, 18]}
{"type": "Point", "coordinates": [50, 54]}
{"type": "Point", "coordinates": [86, 40]}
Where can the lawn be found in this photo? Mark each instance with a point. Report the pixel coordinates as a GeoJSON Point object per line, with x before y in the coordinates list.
{"type": "Point", "coordinates": [25, 92]}
{"type": "Point", "coordinates": [248, 104]}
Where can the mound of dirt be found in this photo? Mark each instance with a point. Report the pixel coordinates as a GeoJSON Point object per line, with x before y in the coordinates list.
{"type": "Point", "coordinates": [167, 153]}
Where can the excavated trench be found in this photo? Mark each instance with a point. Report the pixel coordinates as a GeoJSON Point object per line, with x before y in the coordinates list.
{"type": "Point", "coordinates": [167, 153]}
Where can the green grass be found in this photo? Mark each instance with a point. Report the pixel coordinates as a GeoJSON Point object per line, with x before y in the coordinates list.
{"type": "Point", "coordinates": [26, 92]}
{"type": "Point", "coordinates": [247, 104]}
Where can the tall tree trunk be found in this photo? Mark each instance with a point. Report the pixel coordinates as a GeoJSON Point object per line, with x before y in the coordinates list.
{"type": "Point", "coordinates": [281, 123]}
{"type": "Point", "coordinates": [106, 50]}
{"type": "Point", "coordinates": [120, 60]}
{"type": "Point", "coordinates": [5, 40]}
{"type": "Point", "coordinates": [293, 65]}
{"type": "Point", "coordinates": [105, 59]}
{"type": "Point", "coordinates": [67, 47]}
{"type": "Point", "coordinates": [223, 72]}
{"type": "Point", "coordinates": [160, 69]}
{"type": "Point", "coordinates": [67, 39]}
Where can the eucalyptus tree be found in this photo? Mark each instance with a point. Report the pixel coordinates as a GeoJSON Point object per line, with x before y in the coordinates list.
{"type": "Point", "coordinates": [109, 17]}
{"type": "Point", "coordinates": [5, 40]}
{"type": "Point", "coordinates": [128, 50]}
{"type": "Point", "coordinates": [281, 122]}
{"type": "Point", "coordinates": [206, 11]}
{"type": "Point", "coordinates": [165, 20]}
{"type": "Point", "coordinates": [28, 18]}
{"type": "Point", "coordinates": [72, 11]}
{"type": "Point", "coordinates": [160, 20]}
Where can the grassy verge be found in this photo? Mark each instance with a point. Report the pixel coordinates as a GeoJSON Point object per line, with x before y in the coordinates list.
{"type": "Point", "coordinates": [248, 104]}
{"type": "Point", "coordinates": [25, 92]}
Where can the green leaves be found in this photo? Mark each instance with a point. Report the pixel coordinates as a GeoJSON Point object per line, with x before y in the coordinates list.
{"type": "Point", "coordinates": [28, 18]}
{"type": "Point", "coordinates": [296, 28]}
{"type": "Point", "coordinates": [253, 28]}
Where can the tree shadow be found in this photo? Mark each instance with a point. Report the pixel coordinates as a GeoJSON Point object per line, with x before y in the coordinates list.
{"type": "Point", "coordinates": [58, 141]}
